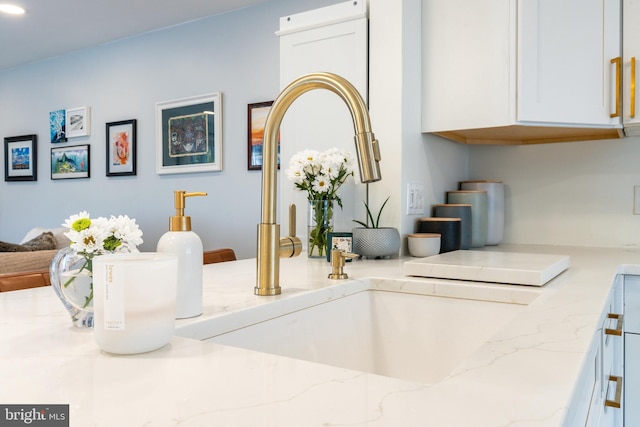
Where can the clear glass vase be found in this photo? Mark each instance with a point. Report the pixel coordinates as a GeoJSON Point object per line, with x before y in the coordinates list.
{"type": "Point", "coordinates": [71, 275]}
{"type": "Point", "coordinates": [320, 223]}
{"type": "Point", "coordinates": [72, 280]}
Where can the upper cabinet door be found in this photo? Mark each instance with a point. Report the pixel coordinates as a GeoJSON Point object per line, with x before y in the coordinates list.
{"type": "Point", "coordinates": [565, 68]}
{"type": "Point", "coordinates": [631, 45]}
{"type": "Point", "coordinates": [521, 71]}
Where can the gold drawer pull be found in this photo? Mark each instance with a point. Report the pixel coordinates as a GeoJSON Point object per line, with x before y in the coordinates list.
{"type": "Point", "coordinates": [616, 402]}
{"type": "Point", "coordinates": [618, 330]}
{"type": "Point", "coordinates": [632, 101]}
{"type": "Point", "coordinates": [618, 64]}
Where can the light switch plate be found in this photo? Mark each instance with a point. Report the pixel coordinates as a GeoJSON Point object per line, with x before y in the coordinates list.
{"type": "Point", "coordinates": [415, 199]}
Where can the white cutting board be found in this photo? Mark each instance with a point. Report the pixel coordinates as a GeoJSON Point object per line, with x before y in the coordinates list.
{"type": "Point", "coordinates": [488, 266]}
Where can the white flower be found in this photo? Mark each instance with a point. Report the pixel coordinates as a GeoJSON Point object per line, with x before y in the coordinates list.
{"type": "Point", "coordinates": [101, 235]}
{"type": "Point", "coordinates": [126, 230]}
{"type": "Point", "coordinates": [321, 184]}
{"type": "Point", "coordinates": [320, 174]}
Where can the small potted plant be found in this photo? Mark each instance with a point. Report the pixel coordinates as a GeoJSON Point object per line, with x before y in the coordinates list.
{"type": "Point", "coordinates": [373, 241]}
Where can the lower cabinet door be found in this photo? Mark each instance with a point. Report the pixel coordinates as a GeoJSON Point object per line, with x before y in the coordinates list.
{"type": "Point", "coordinates": [631, 379]}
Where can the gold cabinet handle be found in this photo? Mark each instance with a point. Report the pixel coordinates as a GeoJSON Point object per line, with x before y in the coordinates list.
{"type": "Point", "coordinates": [618, 63]}
{"type": "Point", "coordinates": [618, 395]}
{"type": "Point", "coordinates": [633, 87]}
{"type": "Point", "coordinates": [618, 329]}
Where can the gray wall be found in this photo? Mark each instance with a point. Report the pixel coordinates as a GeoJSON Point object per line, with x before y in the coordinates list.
{"type": "Point", "coordinates": [236, 54]}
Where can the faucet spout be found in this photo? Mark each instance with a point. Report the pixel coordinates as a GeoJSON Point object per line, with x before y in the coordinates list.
{"type": "Point", "coordinates": [270, 246]}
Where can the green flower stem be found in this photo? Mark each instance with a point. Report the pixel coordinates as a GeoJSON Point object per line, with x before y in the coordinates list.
{"type": "Point", "coordinates": [321, 220]}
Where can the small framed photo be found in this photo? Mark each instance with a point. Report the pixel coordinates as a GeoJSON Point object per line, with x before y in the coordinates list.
{"type": "Point", "coordinates": [20, 158]}
{"type": "Point", "coordinates": [121, 148]}
{"type": "Point", "coordinates": [78, 122]}
{"type": "Point", "coordinates": [339, 240]}
{"type": "Point", "coordinates": [256, 118]}
{"type": "Point", "coordinates": [189, 134]}
{"type": "Point", "coordinates": [70, 162]}
{"type": "Point", "coordinates": [57, 127]}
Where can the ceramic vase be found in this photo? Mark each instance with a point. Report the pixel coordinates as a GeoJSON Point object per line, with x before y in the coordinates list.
{"type": "Point", "coordinates": [383, 242]}
{"type": "Point", "coordinates": [320, 223]}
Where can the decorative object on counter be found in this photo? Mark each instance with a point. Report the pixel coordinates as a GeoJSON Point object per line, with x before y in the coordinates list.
{"type": "Point", "coordinates": [320, 174]}
{"type": "Point", "coordinates": [71, 270]}
{"type": "Point", "coordinates": [135, 301]}
{"type": "Point", "coordinates": [450, 230]}
{"type": "Point", "coordinates": [495, 207]}
{"type": "Point", "coordinates": [478, 201]}
{"type": "Point", "coordinates": [462, 211]}
{"type": "Point", "coordinates": [373, 241]}
{"type": "Point", "coordinates": [423, 244]}
{"type": "Point", "coordinates": [339, 240]}
{"type": "Point", "coordinates": [187, 247]}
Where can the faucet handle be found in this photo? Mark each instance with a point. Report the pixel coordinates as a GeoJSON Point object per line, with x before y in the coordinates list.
{"type": "Point", "coordinates": [338, 257]}
{"type": "Point", "coordinates": [291, 246]}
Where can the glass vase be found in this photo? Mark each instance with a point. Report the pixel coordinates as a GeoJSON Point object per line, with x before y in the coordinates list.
{"type": "Point", "coordinates": [320, 223]}
{"type": "Point", "coordinates": [71, 275]}
{"type": "Point", "coordinates": [72, 280]}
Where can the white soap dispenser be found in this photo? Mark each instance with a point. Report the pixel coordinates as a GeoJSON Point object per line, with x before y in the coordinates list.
{"type": "Point", "coordinates": [186, 244]}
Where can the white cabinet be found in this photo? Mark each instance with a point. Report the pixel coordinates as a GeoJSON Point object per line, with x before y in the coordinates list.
{"type": "Point", "coordinates": [520, 71]}
{"type": "Point", "coordinates": [632, 350]}
{"type": "Point", "coordinates": [597, 401]}
{"type": "Point", "coordinates": [631, 53]}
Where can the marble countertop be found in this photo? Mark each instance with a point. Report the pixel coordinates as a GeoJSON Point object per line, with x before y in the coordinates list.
{"type": "Point", "coordinates": [524, 376]}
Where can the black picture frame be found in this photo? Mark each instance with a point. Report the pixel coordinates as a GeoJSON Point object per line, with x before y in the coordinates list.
{"type": "Point", "coordinates": [121, 148]}
{"type": "Point", "coordinates": [256, 117]}
{"type": "Point", "coordinates": [21, 158]}
{"type": "Point", "coordinates": [71, 162]}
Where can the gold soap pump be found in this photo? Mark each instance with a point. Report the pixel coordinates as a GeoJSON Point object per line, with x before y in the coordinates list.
{"type": "Point", "coordinates": [186, 244]}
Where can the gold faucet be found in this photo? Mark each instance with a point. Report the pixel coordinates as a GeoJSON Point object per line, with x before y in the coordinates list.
{"type": "Point", "coordinates": [270, 246]}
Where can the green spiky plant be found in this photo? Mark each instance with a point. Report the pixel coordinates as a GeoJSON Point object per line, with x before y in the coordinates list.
{"type": "Point", "coordinates": [375, 222]}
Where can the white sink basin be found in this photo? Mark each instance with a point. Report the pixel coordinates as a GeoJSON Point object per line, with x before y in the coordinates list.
{"type": "Point", "coordinates": [383, 329]}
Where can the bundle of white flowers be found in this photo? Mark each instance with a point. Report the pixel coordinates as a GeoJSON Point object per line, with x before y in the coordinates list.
{"type": "Point", "coordinates": [99, 236]}
{"type": "Point", "coordinates": [320, 174]}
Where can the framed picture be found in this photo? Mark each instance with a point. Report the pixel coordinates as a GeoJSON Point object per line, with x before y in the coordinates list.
{"type": "Point", "coordinates": [20, 158]}
{"type": "Point", "coordinates": [70, 162]}
{"type": "Point", "coordinates": [57, 130]}
{"type": "Point", "coordinates": [78, 122]}
{"type": "Point", "coordinates": [121, 148]}
{"type": "Point", "coordinates": [256, 117]}
{"type": "Point", "coordinates": [339, 240]}
{"type": "Point", "coordinates": [189, 134]}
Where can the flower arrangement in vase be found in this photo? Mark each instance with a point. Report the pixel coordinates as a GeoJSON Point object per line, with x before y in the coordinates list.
{"type": "Point", "coordinates": [71, 270]}
{"type": "Point", "coordinates": [320, 174]}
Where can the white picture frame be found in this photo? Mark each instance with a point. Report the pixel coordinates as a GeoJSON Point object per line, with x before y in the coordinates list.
{"type": "Point", "coordinates": [189, 134]}
{"type": "Point", "coordinates": [78, 122]}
